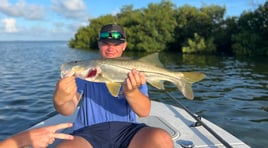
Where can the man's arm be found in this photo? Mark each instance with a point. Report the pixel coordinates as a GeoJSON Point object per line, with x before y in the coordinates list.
{"type": "Point", "coordinates": [139, 102]}
{"type": "Point", "coordinates": [66, 97]}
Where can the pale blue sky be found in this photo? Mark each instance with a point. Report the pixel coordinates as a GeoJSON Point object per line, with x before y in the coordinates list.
{"type": "Point", "coordinates": [60, 19]}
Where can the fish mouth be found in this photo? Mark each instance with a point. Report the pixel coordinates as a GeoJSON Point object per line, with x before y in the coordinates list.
{"type": "Point", "coordinates": [92, 73]}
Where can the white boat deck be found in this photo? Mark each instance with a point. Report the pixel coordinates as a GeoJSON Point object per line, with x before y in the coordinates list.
{"type": "Point", "coordinates": [177, 122]}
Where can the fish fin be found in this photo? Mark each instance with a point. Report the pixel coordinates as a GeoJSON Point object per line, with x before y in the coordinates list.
{"type": "Point", "coordinates": [187, 91]}
{"type": "Point", "coordinates": [157, 84]}
{"type": "Point", "coordinates": [185, 84]}
{"type": "Point", "coordinates": [153, 59]}
{"type": "Point", "coordinates": [113, 88]}
{"type": "Point", "coordinates": [193, 76]}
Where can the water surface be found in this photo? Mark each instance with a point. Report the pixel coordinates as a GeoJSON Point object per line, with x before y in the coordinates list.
{"type": "Point", "coordinates": [234, 95]}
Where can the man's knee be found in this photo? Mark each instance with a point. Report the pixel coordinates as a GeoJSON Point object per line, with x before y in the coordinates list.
{"type": "Point", "coordinates": [152, 137]}
{"type": "Point", "coordinates": [162, 137]}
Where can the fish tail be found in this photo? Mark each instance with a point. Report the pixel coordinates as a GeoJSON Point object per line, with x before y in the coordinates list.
{"type": "Point", "coordinates": [185, 82]}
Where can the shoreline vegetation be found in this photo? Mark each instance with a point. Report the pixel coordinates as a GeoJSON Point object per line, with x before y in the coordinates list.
{"type": "Point", "coordinates": [186, 29]}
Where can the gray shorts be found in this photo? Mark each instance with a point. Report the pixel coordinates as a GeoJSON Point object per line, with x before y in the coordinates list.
{"type": "Point", "coordinates": [110, 134]}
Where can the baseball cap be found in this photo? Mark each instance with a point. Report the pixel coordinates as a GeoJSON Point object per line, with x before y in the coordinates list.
{"type": "Point", "coordinates": [112, 33]}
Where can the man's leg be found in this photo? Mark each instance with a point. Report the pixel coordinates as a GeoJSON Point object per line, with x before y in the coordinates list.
{"type": "Point", "coordinates": [76, 142]}
{"type": "Point", "coordinates": [149, 137]}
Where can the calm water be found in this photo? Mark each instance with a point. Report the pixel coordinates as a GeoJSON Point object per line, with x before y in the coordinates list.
{"type": "Point", "coordinates": [234, 94]}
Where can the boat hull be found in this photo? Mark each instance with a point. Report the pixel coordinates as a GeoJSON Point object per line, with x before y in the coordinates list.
{"type": "Point", "coordinates": [174, 120]}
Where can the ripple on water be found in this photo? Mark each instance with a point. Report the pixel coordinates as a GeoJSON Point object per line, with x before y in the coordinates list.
{"type": "Point", "coordinates": [233, 95]}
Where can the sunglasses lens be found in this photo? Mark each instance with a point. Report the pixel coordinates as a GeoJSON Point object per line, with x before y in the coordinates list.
{"type": "Point", "coordinates": [104, 35]}
{"type": "Point", "coordinates": [116, 35]}
{"type": "Point", "coordinates": [111, 35]}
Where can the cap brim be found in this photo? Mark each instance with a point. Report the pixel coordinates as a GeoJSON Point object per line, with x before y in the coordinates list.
{"type": "Point", "coordinates": [112, 41]}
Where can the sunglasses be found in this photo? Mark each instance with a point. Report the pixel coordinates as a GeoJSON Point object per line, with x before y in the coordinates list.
{"type": "Point", "coordinates": [111, 35]}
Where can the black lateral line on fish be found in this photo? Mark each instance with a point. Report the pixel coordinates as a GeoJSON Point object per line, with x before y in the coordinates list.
{"type": "Point", "coordinates": [154, 72]}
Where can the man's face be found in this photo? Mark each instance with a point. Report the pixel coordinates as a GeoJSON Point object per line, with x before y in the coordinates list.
{"type": "Point", "coordinates": [111, 50]}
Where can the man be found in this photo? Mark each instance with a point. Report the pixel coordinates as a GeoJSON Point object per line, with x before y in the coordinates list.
{"type": "Point", "coordinates": [104, 120]}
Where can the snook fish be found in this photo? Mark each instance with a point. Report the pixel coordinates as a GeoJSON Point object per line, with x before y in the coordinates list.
{"type": "Point", "coordinates": [113, 72]}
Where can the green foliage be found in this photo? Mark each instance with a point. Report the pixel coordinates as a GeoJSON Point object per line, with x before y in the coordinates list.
{"type": "Point", "coordinates": [187, 29]}
{"type": "Point", "coordinates": [245, 46]}
{"type": "Point", "coordinates": [199, 45]}
{"type": "Point", "coordinates": [154, 32]}
{"type": "Point", "coordinates": [205, 22]}
{"type": "Point", "coordinates": [81, 38]}
{"type": "Point", "coordinates": [253, 33]}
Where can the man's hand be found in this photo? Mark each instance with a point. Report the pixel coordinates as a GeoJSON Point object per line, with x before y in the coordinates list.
{"type": "Point", "coordinates": [65, 90]}
{"type": "Point", "coordinates": [133, 81]}
{"type": "Point", "coordinates": [139, 103]}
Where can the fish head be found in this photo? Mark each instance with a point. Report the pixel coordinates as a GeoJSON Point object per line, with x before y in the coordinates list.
{"type": "Point", "coordinates": [86, 73]}
{"type": "Point", "coordinates": [89, 73]}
